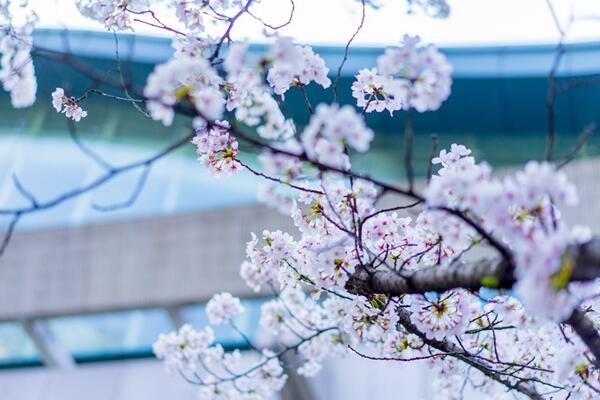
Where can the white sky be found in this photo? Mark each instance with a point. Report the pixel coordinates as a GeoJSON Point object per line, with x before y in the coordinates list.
{"type": "Point", "coordinates": [473, 22]}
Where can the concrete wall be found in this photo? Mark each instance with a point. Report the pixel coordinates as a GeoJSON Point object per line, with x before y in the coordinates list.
{"type": "Point", "coordinates": [147, 262]}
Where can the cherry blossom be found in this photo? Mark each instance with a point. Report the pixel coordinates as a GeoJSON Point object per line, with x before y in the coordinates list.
{"type": "Point", "coordinates": [281, 164]}
{"type": "Point", "coordinates": [330, 129]}
{"type": "Point", "coordinates": [17, 72]}
{"type": "Point", "coordinates": [441, 317]}
{"type": "Point", "coordinates": [190, 14]}
{"type": "Point", "coordinates": [58, 99]}
{"type": "Point", "coordinates": [369, 91]}
{"type": "Point", "coordinates": [222, 308]}
{"type": "Point", "coordinates": [74, 112]}
{"type": "Point", "coordinates": [112, 13]}
{"type": "Point", "coordinates": [184, 78]}
{"type": "Point", "coordinates": [191, 46]}
{"type": "Point", "coordinates": [179, 349]}
{"type": "Point", "coordinates": [67, 105]}
{"type": "Point", "coordinates": [236, 59]}
{"type": "Point", "coordinates": [295, 65]}
{"type": "Point", "coordinates": [408, 77]}
{"type": "Point", "coordinates": [217, 150]}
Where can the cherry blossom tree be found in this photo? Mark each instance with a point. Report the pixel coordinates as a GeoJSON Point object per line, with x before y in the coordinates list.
{"type": "Point", "coordinates": [354, 277]}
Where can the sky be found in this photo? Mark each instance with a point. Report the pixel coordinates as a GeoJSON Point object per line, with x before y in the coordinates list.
{"type": "Point", "coordinates": [471, 22]}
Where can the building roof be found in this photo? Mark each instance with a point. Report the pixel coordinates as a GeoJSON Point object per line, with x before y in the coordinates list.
{"type": "Point", "coordinates": [468, 61]}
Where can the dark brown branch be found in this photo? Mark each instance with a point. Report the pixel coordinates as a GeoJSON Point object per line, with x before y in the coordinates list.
{"type": "Point", "coordinates": [586, 330]}
{"type": "Point", "coordinates": [495, 273]}
{"type": "Point", "coordinates": [277, 180]}
{"type": "Point", "coordinates": [158, 24]}
{"type": "Point", "coordinates": [455, 351]}
{"type": "Point", "coordinates": [226, 36]}
{"type": "Point", "coordinates": [24, 191]}
{"type": "Point", "coordinates": [433, 279]}
{"type": "Point", "coordinates": [552, 87]}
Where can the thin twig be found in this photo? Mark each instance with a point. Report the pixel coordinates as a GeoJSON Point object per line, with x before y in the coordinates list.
{"type": "Point", "coordinates": [434, 150]}
{"type": "Point", "coordinates": [275, 27]}
{"type": "Point", "coordinates": [346, 50]}
{"type": "Point", "coordinates": [137, 190]}
{"type": "Point", "coordinates": [408, 148]}
{"type": "Point", "coordinates": [582, 139]}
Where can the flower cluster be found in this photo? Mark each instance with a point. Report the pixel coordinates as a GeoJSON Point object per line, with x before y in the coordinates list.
{"type": "Point", "coordinates": [521, 210]}
{"type": "Point", "coordinates": [190, 14]}
{"type": "Point", "coordinates": [294, 65]}
{"type": "Point", "coordinates": [408, 77]}
{"type": "Point", "coordinates": [330, 130]}
{"type": "Point", "coordinates": [114, 14]}
{"type": "Point", "coordinates": [67, 105]}
{"type": "Point", "coordinates": [251, 99]}
{"type": "Point", "coordinates": [222, 308]}
{"type": "Point", "coordinates": [317, 315]}
{"type": "Point", "coordinates": [217, 150]}
{"type": "Point", "coordinates": [184, 78]}
{"type": "Point", "coordinates": [193, 353]}
{"type": "Point", "coordinates": [179, 349]}
{"type": "Point", "coordinates": [446, 315]}
{"type": "Point", "coordinates": [277, 163]}
{"type": "Point", "coordinates": [17, 73]}
{"type": "Point", "coordinates": [191, 46]}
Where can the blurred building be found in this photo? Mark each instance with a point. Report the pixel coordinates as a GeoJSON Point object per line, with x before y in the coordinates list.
{"type": "Point", "coordinates": [84, 292]}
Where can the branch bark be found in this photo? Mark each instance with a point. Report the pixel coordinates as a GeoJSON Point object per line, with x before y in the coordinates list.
{"type": "Point", "coordinates": [433, 279]}
{"type": "Point", "coordinates": [496, 273]}
{"type": "Point", "coordinates": [587, 332]}
{"type": "Point", "coordinates": [456, 352]}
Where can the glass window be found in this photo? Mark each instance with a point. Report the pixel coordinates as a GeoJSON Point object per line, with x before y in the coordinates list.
{"type": "Point", "coordinates": [16, 347]}
{"type": "Point", "coordinates": [225, 334]}
{"type": "Point", "coordinates": [110, 335]}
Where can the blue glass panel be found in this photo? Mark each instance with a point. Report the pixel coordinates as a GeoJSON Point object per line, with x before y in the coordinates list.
{"type": "Point", "coordinates": [247, 322]}
{"type": "Point", "coordinates": [110, 335]}
{"type": "Point", "coordinates": [16, 347]}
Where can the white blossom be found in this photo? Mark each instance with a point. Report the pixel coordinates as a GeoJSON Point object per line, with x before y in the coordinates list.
{"type": "Point", "coordinates": [408, 77]}
{"type": "Point", "coordinates": [330, 129]}
{"type": "Point", "coordinates": [222, 308]}
{"type": "Point", "coordinates": [293, 65]}
{"type": "Point", "coordinates": [180, 79]}
{"type": "Point", "coordinates": [74, 112]}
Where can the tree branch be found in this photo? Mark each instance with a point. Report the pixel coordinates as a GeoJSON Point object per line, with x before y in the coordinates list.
{"type": "Point", "coordinates": [432, 279]}
{"type": "Point", "coordinates": [455, 351]}
{"type": "Point", "coordinates": [587, 332]}
{"type": "Point", "coordinates": [471, 275]}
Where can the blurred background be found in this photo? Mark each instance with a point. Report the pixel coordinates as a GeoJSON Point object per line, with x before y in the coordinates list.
{"type": "Point", "coordinates": [85, 291]}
